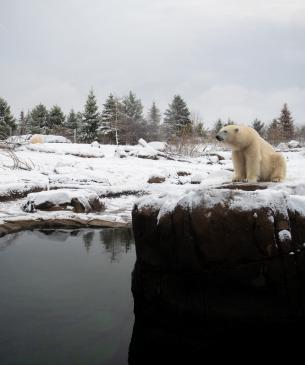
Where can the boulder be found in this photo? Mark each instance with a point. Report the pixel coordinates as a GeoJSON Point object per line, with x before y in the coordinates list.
{"type": "Point", "coordinates": [221, 255]}
{"type": "Point", "coordinates": [294, 144]}
{"type": "Point", "coordinates": [80, 201]}
{"type": "Point", "coordinates": [156, 179]}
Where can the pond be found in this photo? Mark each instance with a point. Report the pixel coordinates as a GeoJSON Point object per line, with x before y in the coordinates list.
{"type": "Point", "coordinates": [66, 297]}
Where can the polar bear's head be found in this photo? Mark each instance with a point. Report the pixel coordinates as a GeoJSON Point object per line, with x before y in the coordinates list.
{"type": "Point", "coordinates": [229, 134]}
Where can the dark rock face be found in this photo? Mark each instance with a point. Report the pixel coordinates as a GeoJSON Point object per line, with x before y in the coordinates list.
{"type": "Point", "coordinates": [224, 263]}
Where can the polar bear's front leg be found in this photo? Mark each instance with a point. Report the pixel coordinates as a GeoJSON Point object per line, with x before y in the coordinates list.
{"type": "Point", "coordinates": [239, 166]}
{"type": "Point", "coordinates": [253, 163]}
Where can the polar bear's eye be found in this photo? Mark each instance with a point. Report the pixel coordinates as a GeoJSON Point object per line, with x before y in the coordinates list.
{"type": "Point", "coordinates": [226, 131]}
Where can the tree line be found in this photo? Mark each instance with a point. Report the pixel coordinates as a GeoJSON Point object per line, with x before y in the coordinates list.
{"type": "Point", "coordinates": [281, 129]}
{"type": "Point", "coordinates": [122, 120]}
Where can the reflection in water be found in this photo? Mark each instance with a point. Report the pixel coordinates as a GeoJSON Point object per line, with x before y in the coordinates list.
{"type": "Point", "coordinates": [88, 239]}
{"type": "Point", "coordinates": [8, 240]}
{"type": "Point", "coordinates": [62, 300]}
{"type": "Point", "coordinates": [117, 242]}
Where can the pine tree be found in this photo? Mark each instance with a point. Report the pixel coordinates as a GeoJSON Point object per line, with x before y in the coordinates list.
{"type": "Point", "coordinates": [154, 115]}
{"type": "Point", "coordinates": [228, 122]}
{"type": "Point", "coordinates": [274, 134]}
{"type": "Point", "coordinates": [72, 120]}
{"type": "Point", "coordinates": [91, 119]}
{"type": "Point", "coordinates": [198, 126]}
{"type": "Point", "coordinates": [258, 126]}
{"type": "Point", "coordinates": [217, 126]}
{"type": "Point", "coordinates": [286, 123]}
{"type": "Point", "coordinates": [22, 123]}
{"type": "Point", "coordinates": [132, 107]}
{"type": "Point", "coordinates": [39, 119]}
{"type": "Point", "coordinates": [153, 122]}
{"type": "Point", "coordinates": [109, 119]}
{"type": "Point", "coordinates": [7, 120]}
{"type": "Point", "coordinates": [131, 121]}
{"type": "Point", "coordinates": [177, 117]}
{"type": "Point", "coordinates": [56, 117]}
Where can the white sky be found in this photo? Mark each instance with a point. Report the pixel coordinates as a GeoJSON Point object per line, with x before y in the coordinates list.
{"type": "Point", "coordinates": [227, 58]}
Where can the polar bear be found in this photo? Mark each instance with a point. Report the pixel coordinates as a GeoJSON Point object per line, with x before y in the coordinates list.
{"type": "Point", "coordinates": [253, 158]}
{"type": "Point", "coordinates": [36, 138]}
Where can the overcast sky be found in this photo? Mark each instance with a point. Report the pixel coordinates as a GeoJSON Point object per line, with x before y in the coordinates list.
{"type": "Point", "coordinates": [237, 59]}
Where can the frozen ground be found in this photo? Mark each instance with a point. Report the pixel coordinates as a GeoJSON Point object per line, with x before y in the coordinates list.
{"type": "Point", "coordinates": [120, 181]}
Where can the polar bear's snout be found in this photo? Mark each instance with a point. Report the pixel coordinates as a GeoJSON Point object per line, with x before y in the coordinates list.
{"type": "Point", "coordinates": [219, 137]}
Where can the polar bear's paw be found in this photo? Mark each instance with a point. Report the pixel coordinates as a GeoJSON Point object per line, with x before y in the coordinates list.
{"type": "Point", "coordinates": [237, 179]}
{"type": "Point", "coordinates": [277, 179]}
{"type": "Point", "coordinates": [250, 180]}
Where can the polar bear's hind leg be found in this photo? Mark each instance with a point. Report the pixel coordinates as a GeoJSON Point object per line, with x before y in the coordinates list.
{"type": "Point", "coordinates": [279, 168]}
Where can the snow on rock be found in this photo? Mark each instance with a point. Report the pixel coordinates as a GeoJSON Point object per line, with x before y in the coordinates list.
{"type": "Point", "coordinates": [120, 153]}
{"type": "Point", "coordinates": [17, 184]}
{"type": "Point", "coordinates": [19, 139]}
{"type": "Point", "coordinates": [144, 152]}
{"type": "Point", "coordinates": [78, 200]}
{"type": "Point", "coordinates": [66, 175]}
{"type": "Point", "coordinates": [294, 144]}
{"type": "Point", "coordinates": [66, 150]}
{"type": "Point", "coordinates": [95, 144]}
{"type": "Point", "coordinates": [50, 138]}
{"type": "Point", "coordinates": [296, 204]}
{"type": "Point", "coordinates": [197, 178]}
{"type": "Point", "coordinates": [284, 235]}
{"type": "Point", "coordinates": [232, 200]}
{"type": "Point", "coordinates": [142, 142]}
{"type": "Point", "coordinates": [159, 146]}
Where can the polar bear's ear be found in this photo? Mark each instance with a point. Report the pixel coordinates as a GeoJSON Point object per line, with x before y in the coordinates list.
{"type": "Point", "coordinates": [236, 130]}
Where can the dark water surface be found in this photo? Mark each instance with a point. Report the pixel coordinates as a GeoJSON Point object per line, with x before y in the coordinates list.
{"type": "Point", "coordinates": [65, 297]}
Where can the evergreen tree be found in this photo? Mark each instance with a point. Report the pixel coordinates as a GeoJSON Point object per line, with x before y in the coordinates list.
{"type": "Point", "coordinates": [258, 126]}
{"type": "Point", "coordinates": [39, 119]}
{"type": "Point", "coordinates": [109, 119]}
{"type": "Point", "coordinates": [154, 116]}
{"type": "Point", "coordinates": [7, 120]}
{"type": "Point", "coordinates": [132, 107]}
{"type": "Point", "coordinates": [24, 122]}
{"type": "Point", "coordinates": [198, 126]}
{"type": "Point", "coordinates": [91, 119]}
{"type": "Point", "coordinates": [274, 134]}
{"type": "Point", "coordinates": [153, 119]}
{"type": "Point", "coordinates": [217, 126]}
{"type": "Point", "coordinates": [56, 117]}
{"type": "Point", "coordinates": [177, 117]}
{"type": "Point", "coordinates": [72, 120]}
{"type": "Point", "coordinates": [21, 123]}
{"type": "Point", "coordinates": [199, 130]}
{"type": "Point", "coordinates": [229, 122]}
{"type": "Point", "coordinates": [131, 121]}
{"type": "Point", "coordinates": [286, 123]}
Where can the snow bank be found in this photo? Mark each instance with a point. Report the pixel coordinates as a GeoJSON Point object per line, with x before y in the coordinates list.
{"type": "Point", "coordinates": [158, 146]}
{"type": "Point", "coordinates": [49, 138]}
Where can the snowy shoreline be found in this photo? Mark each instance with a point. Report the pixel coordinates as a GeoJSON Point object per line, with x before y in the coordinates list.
{"type": "Point", "coordinates": [118, 182]}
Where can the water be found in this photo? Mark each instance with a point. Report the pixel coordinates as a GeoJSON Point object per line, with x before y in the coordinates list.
{"type": "Point", "coordinates": [65, 297]}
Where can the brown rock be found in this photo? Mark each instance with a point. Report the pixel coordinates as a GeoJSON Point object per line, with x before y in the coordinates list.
{"type": "Point", "coordinates": [156, 179]}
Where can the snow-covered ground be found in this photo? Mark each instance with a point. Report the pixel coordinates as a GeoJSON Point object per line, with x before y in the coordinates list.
{"type": "Point", "coordinates": [120, 181]}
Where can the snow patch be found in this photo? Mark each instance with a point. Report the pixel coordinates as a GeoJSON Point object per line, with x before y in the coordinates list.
{"type": "Point", "coordinates": [284, 235]}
